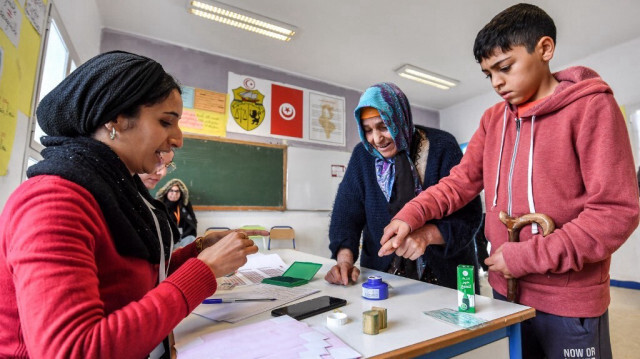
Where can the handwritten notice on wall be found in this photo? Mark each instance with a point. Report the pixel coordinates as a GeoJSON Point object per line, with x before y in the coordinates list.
{"type": "Point", "coordinates": [210, 101]}
{"type": "Point", "coordinates": [204, 122]}
{"type": "Point", "coordinates": [204, 112]}
{"type": "Point", "coordinates": [8, 114]}
{"type": "Point", "coordinates": [10, 20]}
{"type": "Point", "coordinates": [35, 11]}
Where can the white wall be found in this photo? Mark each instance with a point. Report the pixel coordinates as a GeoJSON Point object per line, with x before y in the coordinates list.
{"type": "Point", "coordinates": [618, 66]}
{"type": "Point", "coordinates": [81, 18]}
{"type": "Point", "coordinates": [462, 120]}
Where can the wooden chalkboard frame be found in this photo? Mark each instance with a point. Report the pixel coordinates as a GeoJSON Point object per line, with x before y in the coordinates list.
{"type": "Point", "coordinates": [205, 207]}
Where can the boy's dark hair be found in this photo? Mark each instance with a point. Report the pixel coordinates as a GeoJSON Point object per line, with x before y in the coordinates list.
{"type": "Point", "coordinates": [521, 24]}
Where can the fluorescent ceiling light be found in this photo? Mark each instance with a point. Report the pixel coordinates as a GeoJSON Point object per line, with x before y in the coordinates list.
{"type": "Point", "coordinates": [241, 19]}
{"type": "Point", "coordinates": [426, 77]}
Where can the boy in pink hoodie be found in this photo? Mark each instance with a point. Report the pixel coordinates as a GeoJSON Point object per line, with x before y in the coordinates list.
{"type": "Point", "coordinates": [557, 145]}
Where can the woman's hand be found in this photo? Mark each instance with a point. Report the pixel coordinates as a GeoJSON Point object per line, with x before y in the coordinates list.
{"type": "Point", "coordinates": [415, 244]}
{"type": "Point", "coordinates": [344, 270]}
{"type": "Point", "coordinates": [229, 253]}
{"type": "Point", "coordinates": [212, 237]}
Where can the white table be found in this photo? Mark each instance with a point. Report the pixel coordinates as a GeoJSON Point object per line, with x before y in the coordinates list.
{"type": "Point", "coordinates": [410, 333]}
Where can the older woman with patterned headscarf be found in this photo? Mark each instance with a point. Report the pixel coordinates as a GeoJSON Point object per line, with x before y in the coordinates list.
{"type": "Point", "coordinates": [88, 269]}
{"type": "Point", "coordinates": [394, 162]}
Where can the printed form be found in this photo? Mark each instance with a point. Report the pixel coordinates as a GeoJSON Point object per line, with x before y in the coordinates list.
{"type": "Point", "coordinates": [246, 284]}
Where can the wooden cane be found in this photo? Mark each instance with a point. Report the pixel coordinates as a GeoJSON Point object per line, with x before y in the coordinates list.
{"type": "Point", "coordinates": [513, 228]}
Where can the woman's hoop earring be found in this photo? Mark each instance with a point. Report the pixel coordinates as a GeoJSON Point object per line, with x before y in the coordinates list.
{"type": "Point", "coordinates": [112, 135]}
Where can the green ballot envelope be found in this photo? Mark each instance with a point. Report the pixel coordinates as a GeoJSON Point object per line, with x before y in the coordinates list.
{"type": "Point", "coordinates": [299, 273]}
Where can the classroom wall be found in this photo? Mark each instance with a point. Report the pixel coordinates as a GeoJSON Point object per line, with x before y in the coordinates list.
{"type": "Point", "coordinates": [618, 66]}
{"type": "Point", "coordinates": [209, 71]}
{"type": "Point", "coordinates": [83, 24]}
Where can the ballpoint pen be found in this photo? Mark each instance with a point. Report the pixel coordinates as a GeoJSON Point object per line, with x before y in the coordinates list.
{"type": "Point", "coordinates": [231, 300]}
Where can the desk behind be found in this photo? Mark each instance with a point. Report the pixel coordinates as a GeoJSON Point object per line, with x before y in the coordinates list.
{"type": "Point", "coordinates": [410, 333]}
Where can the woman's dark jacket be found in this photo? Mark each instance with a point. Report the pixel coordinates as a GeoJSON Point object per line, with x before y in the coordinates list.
{"type": "Point", "coordinates": [361, 210]}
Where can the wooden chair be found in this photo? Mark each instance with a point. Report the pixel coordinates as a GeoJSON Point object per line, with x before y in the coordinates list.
{"type": "Point", "coordinates": [216, 229]}
{"type": "Point", "coordinates": [282, 232]}
{"type": "Point", "coordinates": [255, 226]}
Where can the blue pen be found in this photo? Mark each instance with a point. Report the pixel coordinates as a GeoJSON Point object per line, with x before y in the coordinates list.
{"type": "Point", "coordinates": [219, 300]}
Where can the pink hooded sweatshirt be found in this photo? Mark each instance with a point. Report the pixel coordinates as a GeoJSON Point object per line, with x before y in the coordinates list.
{"type": "Point", "coordinates": [568, 157]}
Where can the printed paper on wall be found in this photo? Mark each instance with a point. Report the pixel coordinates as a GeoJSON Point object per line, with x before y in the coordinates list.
{"type": "Point", "coordinates": [326, 118]}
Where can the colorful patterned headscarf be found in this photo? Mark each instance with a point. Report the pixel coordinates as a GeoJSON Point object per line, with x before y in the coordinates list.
{"type": "Point", "coordinates": [395, 111]}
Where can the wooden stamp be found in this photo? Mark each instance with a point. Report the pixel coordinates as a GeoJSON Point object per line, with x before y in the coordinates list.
{"type": "Point", "coordinates": [370, 324]}
{"type": "Point", "coordinates": [382, 316]}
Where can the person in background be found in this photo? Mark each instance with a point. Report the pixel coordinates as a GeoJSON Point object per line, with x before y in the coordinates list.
{"type": "Point", "coordinates": [86, 266]}
{"type": "Point", "coordinates": [557, 145]}
{"type": "Point", "coordinates": [166, 166]}
{"type": "Point", "coordinates": [393, 163]}
{"type": "Point", "coordinates": [175, 196]}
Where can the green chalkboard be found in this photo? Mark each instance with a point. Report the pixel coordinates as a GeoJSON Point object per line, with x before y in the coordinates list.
{"type": "Point", "coordinates": [224, 174]}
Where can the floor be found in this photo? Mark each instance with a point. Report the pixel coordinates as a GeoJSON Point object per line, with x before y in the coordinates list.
{"type": "Point", "coordinates": [624, 320]}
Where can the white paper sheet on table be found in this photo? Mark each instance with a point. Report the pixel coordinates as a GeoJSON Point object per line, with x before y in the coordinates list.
{"type": "Point", "coordinates": [235, 312]}
{"type": "Point", "coordinates": [258, 267]}
{"type": "Point", "coordinates": [281, 337]}
{"type": "Point", "coordinates": [259, 260]}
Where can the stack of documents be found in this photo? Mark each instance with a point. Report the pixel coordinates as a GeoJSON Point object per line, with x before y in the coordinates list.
{"type": "Point", "coordinates": [280, 337]}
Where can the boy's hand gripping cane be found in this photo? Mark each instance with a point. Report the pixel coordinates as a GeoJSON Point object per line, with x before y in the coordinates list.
{"type": "Point", "coordinates": [513, 228]}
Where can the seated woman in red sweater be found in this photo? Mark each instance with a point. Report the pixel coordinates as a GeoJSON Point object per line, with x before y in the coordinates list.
{"type": "Point", "coordinates": [87, 264]}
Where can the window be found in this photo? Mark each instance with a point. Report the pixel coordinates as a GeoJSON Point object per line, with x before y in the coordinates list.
{"type": "Point", "coordinates": [58, 59]}
{"type": "Point", "coordinates": [633, 113]}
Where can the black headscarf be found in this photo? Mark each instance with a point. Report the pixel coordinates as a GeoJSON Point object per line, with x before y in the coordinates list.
{"type": "Point", "coordinates": [94, 94]}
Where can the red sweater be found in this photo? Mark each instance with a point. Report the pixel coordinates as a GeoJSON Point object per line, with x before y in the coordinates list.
{"type": "Point", "coordinates": [67, 293]}
{"type": "Point", "coordinates": [582, 176]}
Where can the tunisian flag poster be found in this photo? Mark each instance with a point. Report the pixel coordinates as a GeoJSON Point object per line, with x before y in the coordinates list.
{"type": "Point", "coordinates": [286, 111]}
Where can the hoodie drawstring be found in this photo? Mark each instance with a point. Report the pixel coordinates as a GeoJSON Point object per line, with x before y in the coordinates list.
{"type": "Point", "coordinates": [504, 128]}
{"type": "Point", "coordinates": [532, 208]}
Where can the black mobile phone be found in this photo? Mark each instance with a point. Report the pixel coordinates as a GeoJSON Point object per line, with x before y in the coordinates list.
{"type": "Point", "coordinates": [310, 307]}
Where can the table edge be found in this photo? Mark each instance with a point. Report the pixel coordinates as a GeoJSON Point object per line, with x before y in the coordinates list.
{"type": "Point", "coordinates": [457, 337]}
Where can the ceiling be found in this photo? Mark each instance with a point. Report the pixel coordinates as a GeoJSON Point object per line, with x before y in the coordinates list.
{"type": "Point", "coordinates": [355, 43]}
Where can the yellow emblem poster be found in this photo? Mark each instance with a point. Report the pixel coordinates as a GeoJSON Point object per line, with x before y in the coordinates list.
{"type": "Point", "coordinates": [247, 108]}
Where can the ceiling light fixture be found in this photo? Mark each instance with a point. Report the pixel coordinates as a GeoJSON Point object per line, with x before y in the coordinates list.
{"type": "Point", "coordinates": [426, 77]}
{"type": "Point", "coordinates": [241, 19]}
